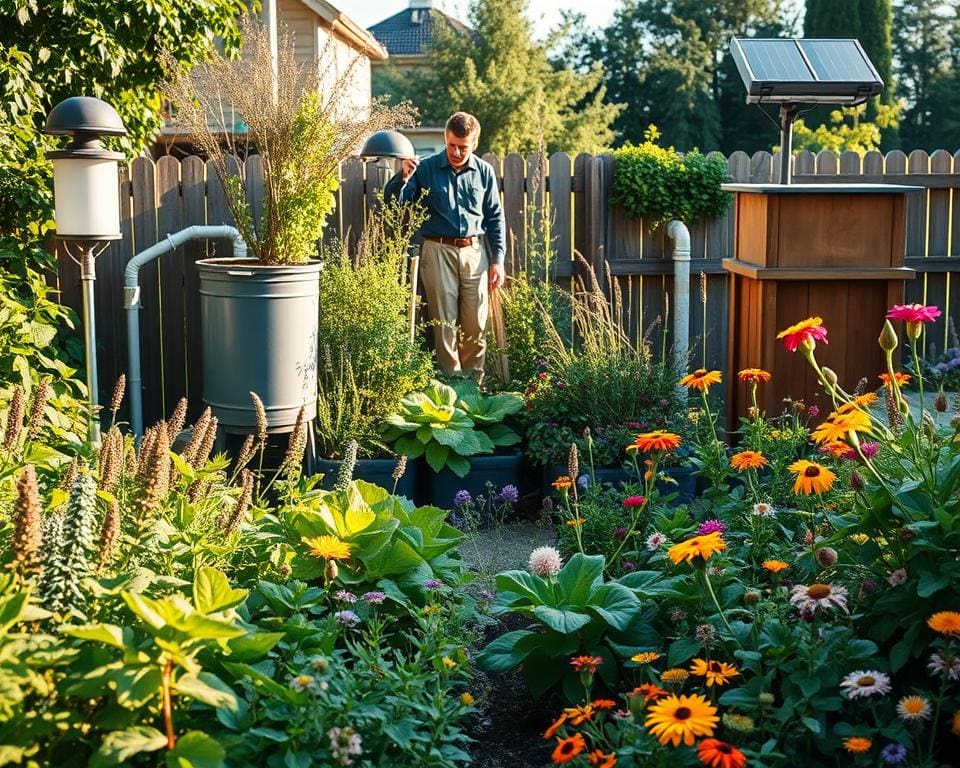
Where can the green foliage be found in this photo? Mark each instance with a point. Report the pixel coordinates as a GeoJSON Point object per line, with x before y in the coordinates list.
{"type": "Point", "coordinates": [575, 612]}
{"type": "Point", "coordinates": [69, 557]}
{"type": "Point", "coordinates": [839, 136]}
{"type": "Point", "coordinates": [500, 74]}
{"type": "Point", "coordinates": [368, 360]}
{"type": "Point", "coordinates": [658, 184]}
{"type": "Point", "coordinates": [448, 428]}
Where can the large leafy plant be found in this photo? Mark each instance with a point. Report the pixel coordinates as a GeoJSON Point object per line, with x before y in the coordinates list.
{"type": "Point", "coordinates": [448, 429]}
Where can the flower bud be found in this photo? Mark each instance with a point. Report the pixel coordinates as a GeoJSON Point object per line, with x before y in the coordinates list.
{"type": "Point", "coordinates": [856, 481]}
{"type": "Point", "coordinates": [765, 698]}
{"type": "Point", "coordinates": [940, 404]}
{"type": "Point", "coordinates": [914, 330]}
{"type": "Point", "coordinates": [753, 412]}
{"type": "Point", "coordinates": [831, 377]}
{"type": "Point", "coordinates": [868, 587]}
{"type": "Point", "coordinates": [906, 535]}
{"type": "Point", "coordinates": [826, 556]}
{"type": "Point", "coordinates": [751, 597]}
{"type": "Point", "coordinates": [330, 571]}
{"type": "Point", "coordinates": [888, 337]}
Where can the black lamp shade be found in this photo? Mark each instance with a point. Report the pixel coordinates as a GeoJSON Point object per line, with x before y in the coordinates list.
{"type": "Point", "coordinates": [388, 144]}
{"type": "Point", "coordinates": [84, 114]}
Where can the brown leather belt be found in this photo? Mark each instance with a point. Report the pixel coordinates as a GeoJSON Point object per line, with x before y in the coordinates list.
{"type": "Point", "coordinates": [459, 242]}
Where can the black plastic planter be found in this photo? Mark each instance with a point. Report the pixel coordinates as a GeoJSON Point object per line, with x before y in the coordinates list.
{"type": "Point", "coordinates": [376, 471]}
{"type": "Point", "coordinates": [439, 488]}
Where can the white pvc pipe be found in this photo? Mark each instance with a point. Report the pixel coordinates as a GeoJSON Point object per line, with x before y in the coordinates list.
{"type": "Point", "coordinates": [680, 235]}
{"type": "Point", "coordinates": [131, 301]}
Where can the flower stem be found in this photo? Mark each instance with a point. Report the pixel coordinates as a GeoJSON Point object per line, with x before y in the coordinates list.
{"type": "Point", "coordinates": [167, 703]}
{"type": "Point", "coordinates": [723, 618]}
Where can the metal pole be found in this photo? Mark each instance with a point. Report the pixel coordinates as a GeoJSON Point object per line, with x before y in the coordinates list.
{"type": "Point", "coordinates": [88, 275]}
{"type": "Point", "coordinates": [788, 113]}
{"type": "Point", "coordinates": [414, 275]}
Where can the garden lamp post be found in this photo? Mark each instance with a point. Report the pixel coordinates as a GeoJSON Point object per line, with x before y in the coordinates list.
{"type": "Point", "coordinates": [87, 201]}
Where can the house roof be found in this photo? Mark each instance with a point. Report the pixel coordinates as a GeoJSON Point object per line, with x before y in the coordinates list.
{"type": "Point", "coordinates": [412, 31]}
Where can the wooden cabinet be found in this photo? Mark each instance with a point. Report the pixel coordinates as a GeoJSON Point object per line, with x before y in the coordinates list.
{"type": "Point", "coordinates": [828, 250]}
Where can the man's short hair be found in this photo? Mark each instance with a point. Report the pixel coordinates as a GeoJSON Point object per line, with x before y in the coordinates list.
{"type": "Point", "coordinates": [463, 125]}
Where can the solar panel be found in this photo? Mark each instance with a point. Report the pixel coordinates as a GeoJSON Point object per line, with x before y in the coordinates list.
{"type": "Point", "coordinates": [798, 71]}
{"type": "Point", "coordinates": [837, 60]}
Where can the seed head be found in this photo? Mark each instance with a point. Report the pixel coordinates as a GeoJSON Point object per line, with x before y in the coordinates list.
{"type": "Point", "coordinates": [27, 531]}
{"type": "Point", "coordinates": [118, 391]}
{"type": "Point", "coordinates": [399, 469]}
{"type": "Point", "coordinates": [40, 396]}
{"type": "Point", "coordinates": [109, 535]}
{"type": "Point", "coordinates": [14, 420]}
{"type": "Point", "coordinates": [178, 418]}
{"type": "Point", "coordinates": [261, 416]}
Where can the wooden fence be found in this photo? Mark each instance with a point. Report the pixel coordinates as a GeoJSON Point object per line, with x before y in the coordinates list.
{"type": "Point", "coordinates": [566, 197]}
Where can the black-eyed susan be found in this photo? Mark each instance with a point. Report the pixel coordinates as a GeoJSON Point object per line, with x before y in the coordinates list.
{"type": "Point", "coordinates": [945, 623]}
{"type": "Point", "coordinates": [747, 460]}
{"type": "Point", "coordinates": [697, 546]}
{"type": "Point", "coordinates": [568, 748]}
{"type": "Point", "coordinates": [701, 379]}
{"type": "Point", "coordinates": [675, 719]}
{"type": "Point", "coordinates": [328, 547]}
{"type": "Point", "coordinates": [714, 753]}
{"type": "Point", "coordinates": [714, 672]}
{"type": "Point", "coordinates": [811, 478]}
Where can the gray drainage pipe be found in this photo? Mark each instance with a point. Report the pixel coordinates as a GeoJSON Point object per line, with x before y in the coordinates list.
{"type": "Point", "coordinates": [131, 301]}
{"type": "Point", "coordinates": [680, 235]}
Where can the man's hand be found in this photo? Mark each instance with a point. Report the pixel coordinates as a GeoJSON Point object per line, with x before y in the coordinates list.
{"type": "Point", "coordinates": [495, 277]}
{"type": "Point", "coordinates": [408, 166]}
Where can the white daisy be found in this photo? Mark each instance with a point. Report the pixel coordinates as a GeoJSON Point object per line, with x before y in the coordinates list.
{"type": "Point", "coordinates": [809, 598]}
{"type": "Point", "coordinates": [655, 540]}
{"type": "Point", "coordinates": [865, 683]}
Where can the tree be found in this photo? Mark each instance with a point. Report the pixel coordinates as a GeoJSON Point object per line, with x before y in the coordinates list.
{"type": "Point", "coordinates": [504, 78]}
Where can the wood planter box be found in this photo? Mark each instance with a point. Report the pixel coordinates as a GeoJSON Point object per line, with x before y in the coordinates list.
{"type": "Point", "coordinates": [828, 250]}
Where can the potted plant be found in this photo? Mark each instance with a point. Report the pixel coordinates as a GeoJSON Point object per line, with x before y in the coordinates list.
{"type": "Point", "coordinates": [260, 315]}
{"type": "Point", "coordinates": [368, 360]}
{"type": "Point", "coordinates": [462, 434]}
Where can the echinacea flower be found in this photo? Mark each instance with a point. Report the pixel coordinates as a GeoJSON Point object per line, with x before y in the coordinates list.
{"type": "Point", "coordinates": [645, 657]}
{"type": "Point", "coordinates": [912, 709]}
{"type": "Point", "coordinates": [655, 540]}
{"type": "Point", "coordinates": [809, 598]}
{"type": "Point", "coordinates": [545, 561]}
{"type": "Point", "coordinates": [568, 748]}
{"type": "Point", "coordinates": [656, 441]}
{"type": "Point", "coordinates": [807, 332]}
{"type": "Point", "coordinates": [894, 753]}
{"type": "Point", "coordinates": [701, 379]}
{"type": "Point", "coordinates": [775, 566]}
{"type": "Point", "coordinates": [345, 596]}
{"type": "Point", "coordinates": [374, 598]}
{"type": "Point", "coordinates": [347, 618]}
{"type": "Point", "coordinates": [586, 663]}
{"type": "Point", "coordinates": [674, 719]}
{"type": "Point", "coordinates": [945, 623]}
{"type": "Point", "coordinates": [328, 547]}
{"type": "Point", "coordinates": [747, 460]}
{"type": "Point", "coordinates": [711, 526]}
{"type": "Point", "coordinates": [913, 313]}
{"type": "Point", "coordinates": [866, 683]}
{"type": "Point", "coordinates": [698, 546]}
{"type": "Point", "coordinates": [811, 478]}
{"type": "Point", "coordinates": [755, 375]}
{"type": "Point", "coordinates": [944, 664]}
{"type": "Point", "coordinates": [715, 672]}
{"type": "Point", "coordinates": [649, 691]}
{"type": "Point", "coordinates": [714, 753]}
{"type": "Point", "coordinates": [857, 744]}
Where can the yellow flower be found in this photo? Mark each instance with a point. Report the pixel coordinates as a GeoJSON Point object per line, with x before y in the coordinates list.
{"type": "Point", "coordinates": [698, 546]}
{"type": "Point", "coordinates": [860, 538]}
{"type": "Point", "coordinates": [646, 657]}
{"type": "Point", "coordinates": [775, 566]}
{"type": "Point", "coordinates": [562, 483]}
{"type": "Point", "coordinates": [860, 401]}
{"type": "Point", "coordinates": [673, 719]}
{"type": "Point", "coordinates": [576, 523]}
{"type": "Point", "coordinates": [328, 547]}
{"type": "Point", "coordinates": [857, 744]}
{"type": "Point", "coordinates": [839, 425]}
{"type": "Point", "coordinates": [466, 699]}
{"type": "Point", "coordinates": [701, 379]}
{"type": "Point", "coordinates": [715, 672]}
{"type": "Point", "coordinates": [747, 460]}
{"type": "Point", "coordinates": [675, 676]}
{"type": "Point", "coordinates": [946, 623]}
{"type": "Point", "coordinates": [448, 662]}
{"type": "Point", "coordinates": [811, 477]}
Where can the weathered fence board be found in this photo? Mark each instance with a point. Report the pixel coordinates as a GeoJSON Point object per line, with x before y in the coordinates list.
{"type": "Point", "coordinates": [566, 196]}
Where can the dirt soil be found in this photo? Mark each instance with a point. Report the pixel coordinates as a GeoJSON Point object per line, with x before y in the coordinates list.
{"type": "Point", "coordinates": [508, 724]}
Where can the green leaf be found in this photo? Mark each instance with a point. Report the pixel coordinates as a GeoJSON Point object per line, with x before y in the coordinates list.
{"type": "Point", "coordinates": [207, 688]}
{"type": "Point", "coordinates": [579, 577]}
{"type": "Point", "coordinates": [253, 646]}
{"type": "Point", "coordinates": [437, 456]}
{"type": "Point", "coordinates": [212, 591]}
{"type": "Point", "coordinates": [118, 637]}
{"type": "Point", "coordinates": [564, 622]}
{"type": "Point", "coordinates": [136, 685]}
{"type": "Point", "coordinates": [812, 725]}
{"type": "Point", "coordinates": [118, 747]}
{"type": "Point", "coordinates": [682, 650]}
{"type": "Point", "coordinates": [196, 749]}
{"type": "Point", "coordinates": [458, 465]}
{"type": "Point", "coordinates": [532, 589]}
{"type": "Point", "coordinates": [508, 651]}
{"type": "Point", "coordinates": [933, 581]}
{"type": "Point", "coordinates": [182, 466]}
{"type": "Point", "coordinates": [11, 608]}
{"type": "Point", "coordinates": [400, 733]}
{"type": "Point", "coordinates": [616, 604]}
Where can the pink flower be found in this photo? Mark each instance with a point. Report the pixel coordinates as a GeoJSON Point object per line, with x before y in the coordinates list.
{"type": "Point", "coordinates": [711, 526]}
{"type": "Point", "coordinates": [869, 450]}
{"type": "Point", "coordinates": [913, 313]}
{"type": "Point", "coordinates": [634, 501]}
{"type": "Point", "coordinates": [807, 332]}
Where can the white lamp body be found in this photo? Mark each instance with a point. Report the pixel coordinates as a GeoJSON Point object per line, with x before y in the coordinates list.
{"type": "Point", "coordinates": [87, 198]}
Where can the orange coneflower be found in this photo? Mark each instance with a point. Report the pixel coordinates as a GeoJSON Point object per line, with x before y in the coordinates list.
{"type": "Point", "coordinates": [656, 441]}
{"type": "Point", "coordinates": [562, 483]}
{"type": "Point", "coordinates": [586, 663]}
{"type": "Point", "coordinates": [701, 379]}
{"type": "Point", "coordinates": [857, 744]}
{"type": "Point", "coordinates": [715, 672]}
{"type": "Point", "coordinates": [811, 478]}
{"type": "Point", "coordinates": [808, 331]}
{"type": "Point", "coordinates": [754, 375]}
{"type": "Point", "coordinates": [568, 748]}
{"type": "Point", "coordinates": [698, 546]}
{"type": "Point", "coordinates": [645, 657]}
{"type": "Point", "coordinates": [901, 379]}
{"type": "Point", "coordinates": [650, 691]}
{"type": "Point", "coordinates": [681, 718]}
{"type": "Point", "coordinates": [946, 623]}
{"type": "Point", "coordinates": [714, 753]}
{"type": "Point", "coordinates": [747, 460]}
{"type": "Point", "coordinates": [775, 566]}
{"type": "Point", "coordinates": [601, 760]}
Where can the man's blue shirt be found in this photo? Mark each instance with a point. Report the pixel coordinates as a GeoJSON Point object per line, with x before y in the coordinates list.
{"type": "Point", "coordinates": [465, 204]}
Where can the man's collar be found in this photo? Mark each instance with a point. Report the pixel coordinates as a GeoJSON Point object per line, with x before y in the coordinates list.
{"type": "Point", "coordinates": [471, 162]}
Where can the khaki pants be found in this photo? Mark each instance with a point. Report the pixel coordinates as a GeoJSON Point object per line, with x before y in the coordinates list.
{"type": "Point", "coordinates": [455, 281]}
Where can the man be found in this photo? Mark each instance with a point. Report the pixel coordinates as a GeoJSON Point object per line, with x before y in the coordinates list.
{"type": "Point", "coordinates": [463, 202]}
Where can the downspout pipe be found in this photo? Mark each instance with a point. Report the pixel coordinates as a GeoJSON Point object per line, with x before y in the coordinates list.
{"type": "Point", "coordinates": [678, 232]}
{"type": "Point", "coordinates": [131, 301]}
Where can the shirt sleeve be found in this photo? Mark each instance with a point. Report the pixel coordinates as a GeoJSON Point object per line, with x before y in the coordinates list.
{"type": "Point", "coordinates": [493, 223]}
{"type": "Point", "coordinates": [397, 189]}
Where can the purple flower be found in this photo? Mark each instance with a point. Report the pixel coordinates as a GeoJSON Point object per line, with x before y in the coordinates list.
{"type": "Point", "coordinates": [509, 494]}
{"type": "Point", "coordinates": [433, 584]}
{"type": "Point", "coordinates": [584, 482]}
{"type": "Point", "coordinates": [711, 526]}
{"type": "Point", "coordinates": [894, 753]}
{"type": "Point", "coordinates": [347, 618]}
{"type": "Point", "coordinates": [373, 597]}
{"type": "Point", "coordinates": [869, 451]}
{"type": "Point", "coordinates": [620, 533]}
{"type": "Point", "coordinates": [628, 566]}
{"type": "Point", "coordinates": [486, 594]}
{"type": "Point", "coordinates": [461, 499]}
{"type": "Point", "coordinates": [344, 596]}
